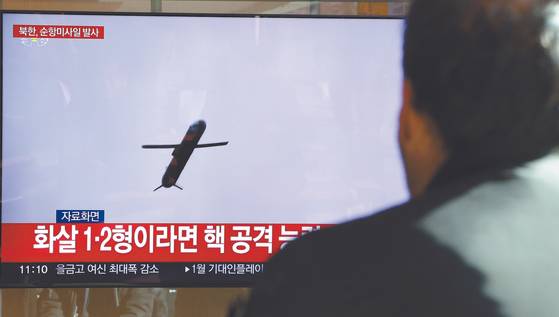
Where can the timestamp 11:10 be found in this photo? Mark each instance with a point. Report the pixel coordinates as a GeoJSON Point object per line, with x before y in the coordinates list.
{"type": "Point", "coordinates": [34, 269]}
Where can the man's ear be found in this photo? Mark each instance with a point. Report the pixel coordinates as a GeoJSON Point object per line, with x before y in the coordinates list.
{"type": "Point", "coordinates": [406, 112]}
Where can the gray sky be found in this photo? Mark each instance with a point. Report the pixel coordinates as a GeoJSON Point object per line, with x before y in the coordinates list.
{"type": "Point", "coordinates": [309, 107]}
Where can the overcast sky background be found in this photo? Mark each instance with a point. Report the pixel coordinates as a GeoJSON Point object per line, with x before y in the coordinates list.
{"type": "Point", "coordinates": [309, 107]}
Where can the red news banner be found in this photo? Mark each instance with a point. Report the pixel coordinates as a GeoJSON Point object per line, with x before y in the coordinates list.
{"type": "Point", "coordinates": [92, 32]}
{"type": "Point", "coordinates": [104, 242]}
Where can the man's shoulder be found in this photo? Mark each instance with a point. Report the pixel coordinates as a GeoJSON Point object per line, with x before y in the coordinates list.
{"type": "Point", "coordinates": [355, 238]}
{"type": "Point", "coordinates": [386, 234]}
{"type": "Point", "coordinates": [390, 255]}
{"type": "Point", "coordinates": [442, 254]}
{"type": "Point", "coordinates": [341, 270]}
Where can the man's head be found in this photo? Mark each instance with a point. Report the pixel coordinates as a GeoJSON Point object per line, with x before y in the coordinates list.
{"type": "Point", "coordinates": [482, 84]}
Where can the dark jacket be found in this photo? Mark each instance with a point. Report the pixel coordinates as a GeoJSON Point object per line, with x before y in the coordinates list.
{"type": "Point", "coordinates": [482, 243]}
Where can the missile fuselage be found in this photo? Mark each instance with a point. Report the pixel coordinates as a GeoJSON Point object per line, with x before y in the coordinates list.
{"type": "Point", "coordinates": [182, 153]}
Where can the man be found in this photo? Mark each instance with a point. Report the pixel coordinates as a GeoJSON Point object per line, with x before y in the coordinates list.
{"type": "Point", "coordinates": [480, 236]}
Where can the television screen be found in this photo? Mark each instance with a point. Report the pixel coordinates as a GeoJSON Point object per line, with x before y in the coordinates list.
{"type": "Point", "coordinates": [186, 150]}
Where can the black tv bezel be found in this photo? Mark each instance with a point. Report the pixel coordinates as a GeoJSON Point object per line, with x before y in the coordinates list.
{"type": "Point", "coordinates": [141, 14]}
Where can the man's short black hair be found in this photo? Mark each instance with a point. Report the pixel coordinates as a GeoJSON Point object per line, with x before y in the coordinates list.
{"type": "Point", "coordinates": [486, 72]}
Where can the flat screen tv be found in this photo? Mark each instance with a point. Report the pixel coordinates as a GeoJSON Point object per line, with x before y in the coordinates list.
{"type": "Point", "coordinates": [180, 150]}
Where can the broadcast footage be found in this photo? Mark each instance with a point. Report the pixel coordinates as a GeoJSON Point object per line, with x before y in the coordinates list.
{"type": "Point", "coordinates": [136, 149]}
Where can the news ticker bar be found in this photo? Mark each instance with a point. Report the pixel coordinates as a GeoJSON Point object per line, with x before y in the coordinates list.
{"type": "Point", "coordinates": [110, 242]}
{"type": "Point", "coordinates": [190, 274]}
